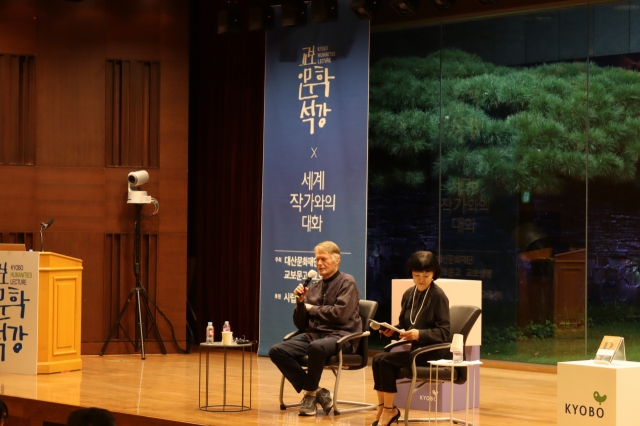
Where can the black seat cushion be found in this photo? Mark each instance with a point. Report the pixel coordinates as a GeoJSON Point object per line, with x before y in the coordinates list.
{"type": "Point", "coordinates": [444, 373]}
{"type": "Point", "coordinates": [351, 360]}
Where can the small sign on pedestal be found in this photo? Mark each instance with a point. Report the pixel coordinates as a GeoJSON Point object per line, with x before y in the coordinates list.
{"type": "Point", "coordinates": [611, 349]}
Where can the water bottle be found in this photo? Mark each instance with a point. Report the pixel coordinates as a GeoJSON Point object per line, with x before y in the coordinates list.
{"type": "Point", "coordinates": [226, 326]}
{"type": "Point", "coordinates": [457, 348]}
{"type": "Point", "coordinates": [210, 333]}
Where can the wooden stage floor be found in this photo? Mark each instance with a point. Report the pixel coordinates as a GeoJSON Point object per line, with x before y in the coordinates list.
{"type": "Point", "coordinates": [163, 390]}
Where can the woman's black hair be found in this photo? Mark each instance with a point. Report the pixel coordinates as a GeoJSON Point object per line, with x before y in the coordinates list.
{"type": "Point", "coordinates": [4, 410]}
{"type": "Point", "coordinates": [424, 261]}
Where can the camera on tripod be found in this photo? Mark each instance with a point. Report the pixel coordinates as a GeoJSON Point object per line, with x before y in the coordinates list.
{"type": "Point", "coordinates": [143, 299]}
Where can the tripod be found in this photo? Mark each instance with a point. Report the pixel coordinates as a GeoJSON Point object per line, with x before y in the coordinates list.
{"type": "Point", "coordinates": [142, 298]}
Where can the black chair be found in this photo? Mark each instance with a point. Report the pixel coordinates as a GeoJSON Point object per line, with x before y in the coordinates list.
{"type": "Point", "coordinates": [341, 361]}
{"type": "Point", "coordinates": [462, 318]}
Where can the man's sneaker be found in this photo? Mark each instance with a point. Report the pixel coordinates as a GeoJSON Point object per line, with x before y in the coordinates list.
{"type": "Point", "coordinates": [323, 396]}
{"type": "Point", "coordinates": [308, 406]}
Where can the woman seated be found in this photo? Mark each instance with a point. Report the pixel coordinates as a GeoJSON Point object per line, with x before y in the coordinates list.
{"type": "Point", "coordinates": [424, 316]}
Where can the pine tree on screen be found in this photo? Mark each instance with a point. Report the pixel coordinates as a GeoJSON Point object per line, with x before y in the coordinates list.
{"type": "Point", "coordinates": [504, 130]}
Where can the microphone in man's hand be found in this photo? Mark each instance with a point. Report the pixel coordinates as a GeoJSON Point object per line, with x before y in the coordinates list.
{"type": "Point", "coordinates": [44, 225]}
{"type": "Point", "coordinates": [310, 275]}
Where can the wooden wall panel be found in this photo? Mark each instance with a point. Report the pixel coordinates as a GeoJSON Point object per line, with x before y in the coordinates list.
{"type": "Point", "coordinates": [70, 111]}
{"type": "Point", "coordinates": [133, 29]}
{"type": "Point", "coordinates": [17, 109]}
{"type": "Point", "coordinates": [17, 194]}
{"type": "Point", "coordinates": [74, 197]}
{"type": "Point", "coordinates": [115, 279]}
{"type": "Point", "coordinates": [120, 216]}
{"type": "Point", "coordinates": [89, 247]}
{"type": "Point", "coordinates": [18, 26]}
{"type": "Point", "coordinates": [70, 182]}
{"type": "Point", "coordinates": [173, 200]}
{"type": "Point", "coordinates": [26, 238]}
{"type": "Point", "coordinates": [172, 282]}
{"type": "Point", "coordinates": [71, 28]}
{"type": "Point", "coordinates": [174, 115]}
{"type": "Point", "coordinates": [174, 31]}
{"type": "Point", "coordinates": [132, 105]}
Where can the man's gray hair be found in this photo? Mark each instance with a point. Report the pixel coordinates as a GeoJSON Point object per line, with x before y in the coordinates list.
{"type": "Point", "coordinates": [330, 247]}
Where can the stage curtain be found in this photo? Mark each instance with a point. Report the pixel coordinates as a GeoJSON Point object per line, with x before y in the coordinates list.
{"type": "Point", "coordinates": [225, 173]}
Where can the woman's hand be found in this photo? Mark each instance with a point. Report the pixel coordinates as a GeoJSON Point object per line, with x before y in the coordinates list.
{"type": "Point", "coordinates": [410, 335]}
{"type": "Point", "coordinates": [386, 331]}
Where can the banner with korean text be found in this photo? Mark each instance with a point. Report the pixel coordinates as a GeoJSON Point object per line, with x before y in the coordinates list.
{"type": "Point", "coordinates": [19, 309]}
{"type": "Point", "coordinates": [315, 159]}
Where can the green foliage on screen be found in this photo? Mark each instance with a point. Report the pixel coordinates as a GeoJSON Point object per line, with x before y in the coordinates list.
{"type": "Point", "coordinates": [504, 130]}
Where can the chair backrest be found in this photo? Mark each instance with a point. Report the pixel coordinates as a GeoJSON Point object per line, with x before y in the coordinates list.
{"type": "Point", "coordinates": [368, 310]}
{"type": "Point", "coordinates": [462, 319]}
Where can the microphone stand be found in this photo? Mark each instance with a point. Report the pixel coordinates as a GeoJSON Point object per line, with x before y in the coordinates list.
{"type": "Point", "coordinates": [142, 298]}
{"type": "Point", "coordinates": [41, 240]}
{"type": "Point", "coordinates": [44, 226]}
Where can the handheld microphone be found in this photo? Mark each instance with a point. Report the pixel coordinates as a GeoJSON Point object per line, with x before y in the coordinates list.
{"type": "Point", "coordinates": [44, 225]}
{"type": "Point", "coordinates": [310, 275]}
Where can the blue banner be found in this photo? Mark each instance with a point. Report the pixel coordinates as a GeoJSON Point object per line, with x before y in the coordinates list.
{"type": "Point", "coordinates": [315, 159]}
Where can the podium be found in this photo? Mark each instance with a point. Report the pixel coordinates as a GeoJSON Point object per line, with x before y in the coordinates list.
{"type": "Point", "coordinates": [59, 313]}
{"type": "Point", "coordinates": [40, 312]}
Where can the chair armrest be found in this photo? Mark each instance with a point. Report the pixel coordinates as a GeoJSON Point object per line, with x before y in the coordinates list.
{"type": "Point", "coordinates": [292, 334]}
{"type": "Point", "coordinates": [419, 351]}
{"type": "Point", "coordinates": [351, 336]}
{"type": "Point", "coordinates": [396, 344]}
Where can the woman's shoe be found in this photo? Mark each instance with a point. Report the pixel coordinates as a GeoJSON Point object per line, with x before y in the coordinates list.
{"type": "Point", "coordinates": [375, 423]}
{"type": "Point", "coordinates": [394, 418]}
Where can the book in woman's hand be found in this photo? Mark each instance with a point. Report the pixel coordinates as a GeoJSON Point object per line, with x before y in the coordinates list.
{"type": "Point", "coordinates": [375, 325]}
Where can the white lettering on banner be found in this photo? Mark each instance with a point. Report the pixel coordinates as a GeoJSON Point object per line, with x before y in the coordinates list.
{"type": "Point", "coordinates": [288, 297]}
{"type": "Point", "coordinates": [300, 261]}
{"type": "Point", "coordinates": [319, 202]}
{"type": "Point", "coordinates": [312, 202]}
{"type": "Point", "coordinates": [312, 179]}
{"type": "Point", "coordinates": [312, 222]}
{"type": "Point", "coordinates": [295, 275]}
{"type": "Point", "coordinates": [312, 108]}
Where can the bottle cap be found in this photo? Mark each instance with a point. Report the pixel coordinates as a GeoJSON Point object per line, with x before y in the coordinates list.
{"type": "Point", "coordinates": [210, 323]}
{"type": "Point", "coordinates": [457, 343]}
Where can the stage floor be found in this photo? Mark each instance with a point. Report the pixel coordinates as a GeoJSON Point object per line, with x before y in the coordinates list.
{"type": "Point", "coordinates": [163, 390]}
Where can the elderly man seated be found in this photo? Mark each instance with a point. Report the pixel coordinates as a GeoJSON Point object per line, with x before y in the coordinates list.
{"type": "Point", "coordinates": [326, 310]}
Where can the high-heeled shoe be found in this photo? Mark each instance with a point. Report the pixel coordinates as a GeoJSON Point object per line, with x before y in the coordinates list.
{"type": "Point", "coordinates": [375, 423]}
{"type": "Point", "coordinates": [394, 418]}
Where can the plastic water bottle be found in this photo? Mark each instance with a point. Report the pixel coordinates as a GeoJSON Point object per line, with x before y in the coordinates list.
{"type": "Point", "coordinates": [226, 326]}
{"type": "Point", "coordinates": [210, 333]}
{"type": "Point", "coordinates": [457, 357]}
